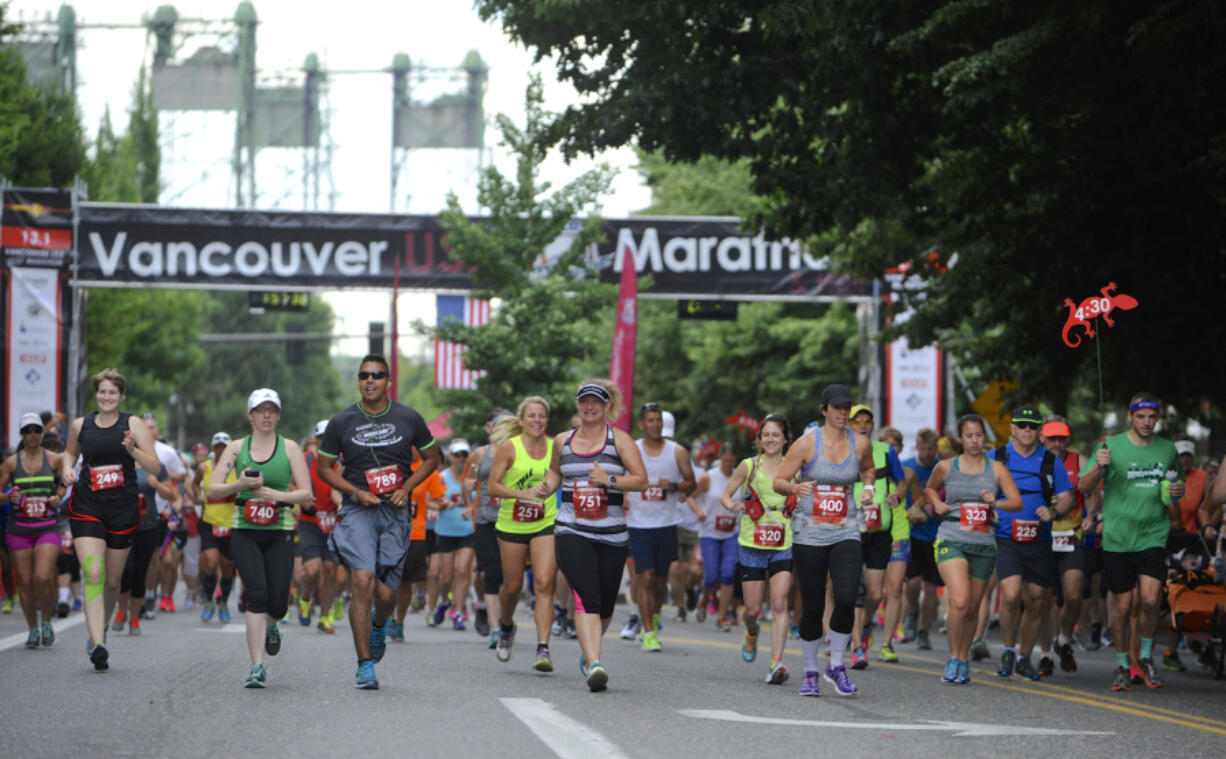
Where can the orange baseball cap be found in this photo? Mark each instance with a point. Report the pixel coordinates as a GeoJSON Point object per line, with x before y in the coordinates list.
{"type": "Point", "coordinates": [1056, 429]}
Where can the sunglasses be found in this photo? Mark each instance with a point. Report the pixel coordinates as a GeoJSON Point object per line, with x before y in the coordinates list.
{"type": "Point", "coordinates": [461, 454]}
{"type": "Point", "coordinates": [31, 429]}
{"type": "Point", "coordinates": [371, 375]}
{"type": "Point", "coordinates": [1026, 425]}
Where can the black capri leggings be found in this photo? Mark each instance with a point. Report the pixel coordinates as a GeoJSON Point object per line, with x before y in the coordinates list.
{"type": "Point", "coordinates": [842, 561]}
{"type": "Point", "coordinates": [265, 561]}
{"type": "Point", "coordinates": [136, 570]}
{"type": "Point", "coordinates": [489, 558]}
{"type": "Point", "coordinates": [594, 570]}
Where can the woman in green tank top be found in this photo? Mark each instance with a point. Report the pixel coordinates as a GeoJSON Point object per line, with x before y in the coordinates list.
{"type": "Point", "coordinates": [272, 476]}
{"type": "Point", "coordinates": [522, 456]}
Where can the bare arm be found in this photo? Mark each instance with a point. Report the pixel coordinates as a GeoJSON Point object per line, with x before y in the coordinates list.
{"type": "Point", "coordinates": [932, 491]}
{"type": "Point", "coordinates": [68, 464]}
{"type": "Point", "coordinates": [140, 445]}
{"type": "Point", "coordinates": [734, 484]}
{"type": "Point", "coordinates": [1004, 480]}
{"type": "Point", "coordinates": [300, 479]}
{"type": "Point", "coordinates": [221, 490]}
{"type": "Point", "coordinates": [868, 470]}
{"type": "Point", "coordinates": [800, 452]}
{"type": "Point", "coordinates": [504, 457]}
{"type": "Point", "coordinates": [687, 483]}
{"type": "Point", "coordinates": [691, 500]}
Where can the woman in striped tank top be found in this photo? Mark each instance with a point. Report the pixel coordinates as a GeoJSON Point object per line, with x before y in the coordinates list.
{"type": "Point", "coordinates": [595, 464]}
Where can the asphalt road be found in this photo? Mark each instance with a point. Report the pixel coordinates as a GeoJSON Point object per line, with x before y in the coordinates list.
{"type": "Point", "coordinates": [177, 691]}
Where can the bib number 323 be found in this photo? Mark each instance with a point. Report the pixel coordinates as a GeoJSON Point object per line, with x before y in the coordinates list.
{"type": "Point", "coordinates": [973, 517]}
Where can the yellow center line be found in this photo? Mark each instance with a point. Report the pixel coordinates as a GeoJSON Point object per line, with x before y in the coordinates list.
{"type": "Point", "coordinates": [1183, 720]}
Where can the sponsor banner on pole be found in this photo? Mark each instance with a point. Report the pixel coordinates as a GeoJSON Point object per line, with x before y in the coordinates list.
{"type": "Point", "coordinates": [36, 227]}
{"type": "Point", "coordinates": [686, 256]}
{"type": "Point", "coordinates": [913, 391]}
{"type": "Point", "coordinates": [625, 331]}
{"type": "Point", "coordinates": [32, 349]}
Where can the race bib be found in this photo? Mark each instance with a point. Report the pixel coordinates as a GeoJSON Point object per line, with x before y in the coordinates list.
{"type": "Point", "coordinates": [769, 535]}
{"type": "Point", "coordinates": [830, 504]}
{"type": "Point", "coordinates": [66, 542]}
{"type": "Point", "coordinates": [383, 480]}
{"type": "Point", "coordinates": [327, 521]}
{"type": "Point", "coordinates": [527, 511]}
{"type": "Point", "coordinates": [35, 507]}
{"type": "Point", "coordinates": [725, 523]}
{"type": "Point", "coordinates": [1062, 541]}
{"type": "Point", "coordinates": [1025, 530]}
{"type": "Point", "coordinates": [431, 515]}
{"type": "Point", "coordinates": [221, 532]}
{"type": "Point", "coordinates": [974, 517]}
{"type": "Point", "coordinates": [591, 501]}
{"type": "Point", "coordinates": [262, 513]}
{"type": "Point", "coordinates": [653, 493]}
{"type": "Point", "coordinates": [106, 477]}
{"type": "Point", "coordinates": [872, 517]}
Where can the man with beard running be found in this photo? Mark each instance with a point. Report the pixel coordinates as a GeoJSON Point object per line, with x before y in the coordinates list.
{"type": "Point", "coordinates": [376, 437]}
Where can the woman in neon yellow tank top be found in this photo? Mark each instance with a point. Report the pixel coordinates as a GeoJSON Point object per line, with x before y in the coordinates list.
{"type": "Point", "coordinates": [522, 455]}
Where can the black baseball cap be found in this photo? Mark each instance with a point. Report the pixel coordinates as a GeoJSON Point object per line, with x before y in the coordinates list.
{"type": "Point", "coordinates": [1027, 415]}
{"type": "Point", "coordinates": [836, 395]}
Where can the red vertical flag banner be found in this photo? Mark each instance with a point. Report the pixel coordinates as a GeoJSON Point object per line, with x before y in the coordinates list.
{"type": "Point", "coordinates": [621, 366]}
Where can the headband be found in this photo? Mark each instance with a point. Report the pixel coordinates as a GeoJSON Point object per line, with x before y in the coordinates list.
{"type": "Point", "coordinates": [1144, 404]}
{"type": "Point", "coordinates": [591, 389]}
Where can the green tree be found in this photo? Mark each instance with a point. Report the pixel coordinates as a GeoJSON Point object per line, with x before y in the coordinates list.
{"type": "Point", "coordinates": [547, 330]}
{"type": "Point", "coordinates": [1051, 146]}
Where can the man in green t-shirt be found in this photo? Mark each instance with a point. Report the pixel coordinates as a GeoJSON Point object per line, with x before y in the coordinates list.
{"type": "Point", "coordinates": [1142, 482]}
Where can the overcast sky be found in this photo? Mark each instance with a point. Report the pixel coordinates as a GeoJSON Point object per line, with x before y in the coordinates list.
{"type": "Point", "coordinates": [345, 36]}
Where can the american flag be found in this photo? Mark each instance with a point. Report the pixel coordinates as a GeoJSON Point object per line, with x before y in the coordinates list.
{"type": "Point", "coordinates": [449, 371]}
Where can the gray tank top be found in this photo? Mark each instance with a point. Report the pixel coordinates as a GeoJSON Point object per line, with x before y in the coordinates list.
{"type": "Point", "coordinates": [487, 509]}
{"type": "Point", "coordinates": [961, 488]}
{"type": "Point", "coordinates": [806, 530]}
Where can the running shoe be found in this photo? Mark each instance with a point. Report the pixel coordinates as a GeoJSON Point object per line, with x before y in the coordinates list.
{"type": "Point", "coordinates": [1046, 669]}
{"type": "Point", "coordinates": [656, 624]}
{"type": "Point", "coordinates": [325, 626]}
{"type": "Point", "coordinates": [170, 605]}
{"type": "Point", "coordinates": [1067, 662]}
{"type": "Point", "coordinates": [866, 643]}
{"type": "Point", "coordinates": [223, 614]}
{"type": "Point", "coordinates": [1008, 660]}
{"type": "Point", "coordinates": [441, 612]}
{"type": "Point", "coordinates": [61, 609]}
{"type": "Point", "coordinates": [7, 606]}
{"type": "Point", "coordinates": [48, 634]}
{"type": "Point", "coordinates": [725, 625]}
{"type": "Point", "coordinates": [419, 602]}
{"type": "Point", "coordinates": [76, 604]}
{"type": "Point", "coordinates": [777, 675]}
{"type": "Point", "coordinates": [1149, 673]}
{"type": "Point", "coordinates": [257, 677]}
{"type": "Point", "coordinates": [395, 630]}
{"type": "Point", "coordinates": [692, 598]}
{"type": "Point", "coordinates": [964, 672]}
{"type": "Point", "coordinates": [207, 612]}
{"type": "Point", "coordinates": [542, 663]}
{"type": "Point", "coordinates": [712, 606]}
{"type": "Point", "coordinates": [922, 643]}
{"type": "Point", "coordinates": [980, 650]}
{"type": "Point", "coordinates": [162, 604]}
{"type": "Point", "coordinates": [808, 685]}
{"type": "Point", "coordinates": [1096, 637]}
{"type": "Point", "coordinates": [559, 621]}
{"type": "Point", "coordinates": [651, 642]}
{"type": "Point", "coordinates": [858, 659]}
{"type": "Point", "coordinates": [571, 632]}
{"type": "Point", "coordinates": [1122, 680]}
{"type": "Point", "coordinates": [597, 678]}
{"type": "Point", "coordinates": [837, 676]}
{"type": "Point", "coordinates": [582, 664]}
{"type": "Point", "coordinates": [680, 616]}
{"type": "Point", "coordinates": [34, 638]}
{"type": "Point", "coordinates": [272, 639]}
{"type": "Point", "coordinates": [506, 644]}
{"type": "Point", "coordinates": [951, 671]}
{"type": "Point", "coordinates": [134, 627]}
{"type": "Point", "coordinates": [749, 648]}
{"type": "Point", "coordinates": [1136, 675]}
{"type": "Point", "coordinates": [700, 614]}
{"type": "Point", "coordinates": [120, 620]}
{"type": "Point", "coordinates": [365, 678]}
{"type": "Point", "coordinates": [1170, 662]}
{"type": "Point", "coordinates": [1025, 669]}
{"type": "Point", "coordinates": [459, 621]}
{"type": "Point", "coordinates": [494, 638]}
{"type": "Point", "coordinates": [338, 608]}
{"type": "Point", "coordinates": [378, 641]}
{"type": "Point", "coordinates": [481, 622]}
{"type": "Point", "coordinates": [189, 603]}
{"type": "Point", "coordinates": [632, 628]}
{"type": "Point", "coordinates": [304, 612]}
{"type": "Point", "coordinates": [887, 654]}
{"type": "Point", "coordinates": [98, 655]}
{"type": "Point", "coordinates": [908, 628]}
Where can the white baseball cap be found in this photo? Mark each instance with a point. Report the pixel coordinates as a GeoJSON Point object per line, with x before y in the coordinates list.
{"type": "Point", "coordinates": [670, 424]}
{"type": "Point", "coordinates": [221, 438]}
{"type": "Point", "coordinates": [459, 446]}
{"type": "Point", "coordinates": [319, 428]}
{"type": "Point", "coordinates": [30, 418]}
{"type": "Point", "coordinates": [1185, 446]}
{"type": "Point", "coordinates": [263, 395]}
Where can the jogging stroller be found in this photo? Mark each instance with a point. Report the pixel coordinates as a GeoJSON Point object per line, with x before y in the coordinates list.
{"type": "Point", "coordinates": [1197, 600]}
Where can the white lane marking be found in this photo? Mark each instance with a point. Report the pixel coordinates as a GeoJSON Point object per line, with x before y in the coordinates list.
{"type": "Point", "coordinates": [960, 729]}
{"type": "Point", "coordinates": [58, 625]}
{"type": "Point", "coordinates": [226, 629]}
{"type": "Point", "coordinates": [564, 736]}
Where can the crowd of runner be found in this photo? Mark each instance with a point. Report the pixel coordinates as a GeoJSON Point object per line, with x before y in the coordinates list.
{"type": "Point", "coordinates": [822, 533]}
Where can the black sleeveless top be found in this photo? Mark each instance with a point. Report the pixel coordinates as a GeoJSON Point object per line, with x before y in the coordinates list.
{"type": "Point", "coordinates": [39, 484]}
{"type": "Point", "coordinates": [103, 447]}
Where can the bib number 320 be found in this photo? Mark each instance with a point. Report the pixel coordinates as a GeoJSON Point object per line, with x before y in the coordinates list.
{"type": "Point", "coordinates": [768, 534]}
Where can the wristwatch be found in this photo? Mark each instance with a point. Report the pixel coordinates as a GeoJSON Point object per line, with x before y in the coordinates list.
{"type": "Point", "coordinates": [612, 481]}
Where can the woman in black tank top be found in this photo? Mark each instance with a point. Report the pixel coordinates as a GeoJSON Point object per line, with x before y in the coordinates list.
{"type": "Point", "coordinates": [103, 510]}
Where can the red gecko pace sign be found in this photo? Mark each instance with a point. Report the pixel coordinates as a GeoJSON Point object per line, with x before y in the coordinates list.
{"type": "Point", "coordinates": [1080, 315]}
